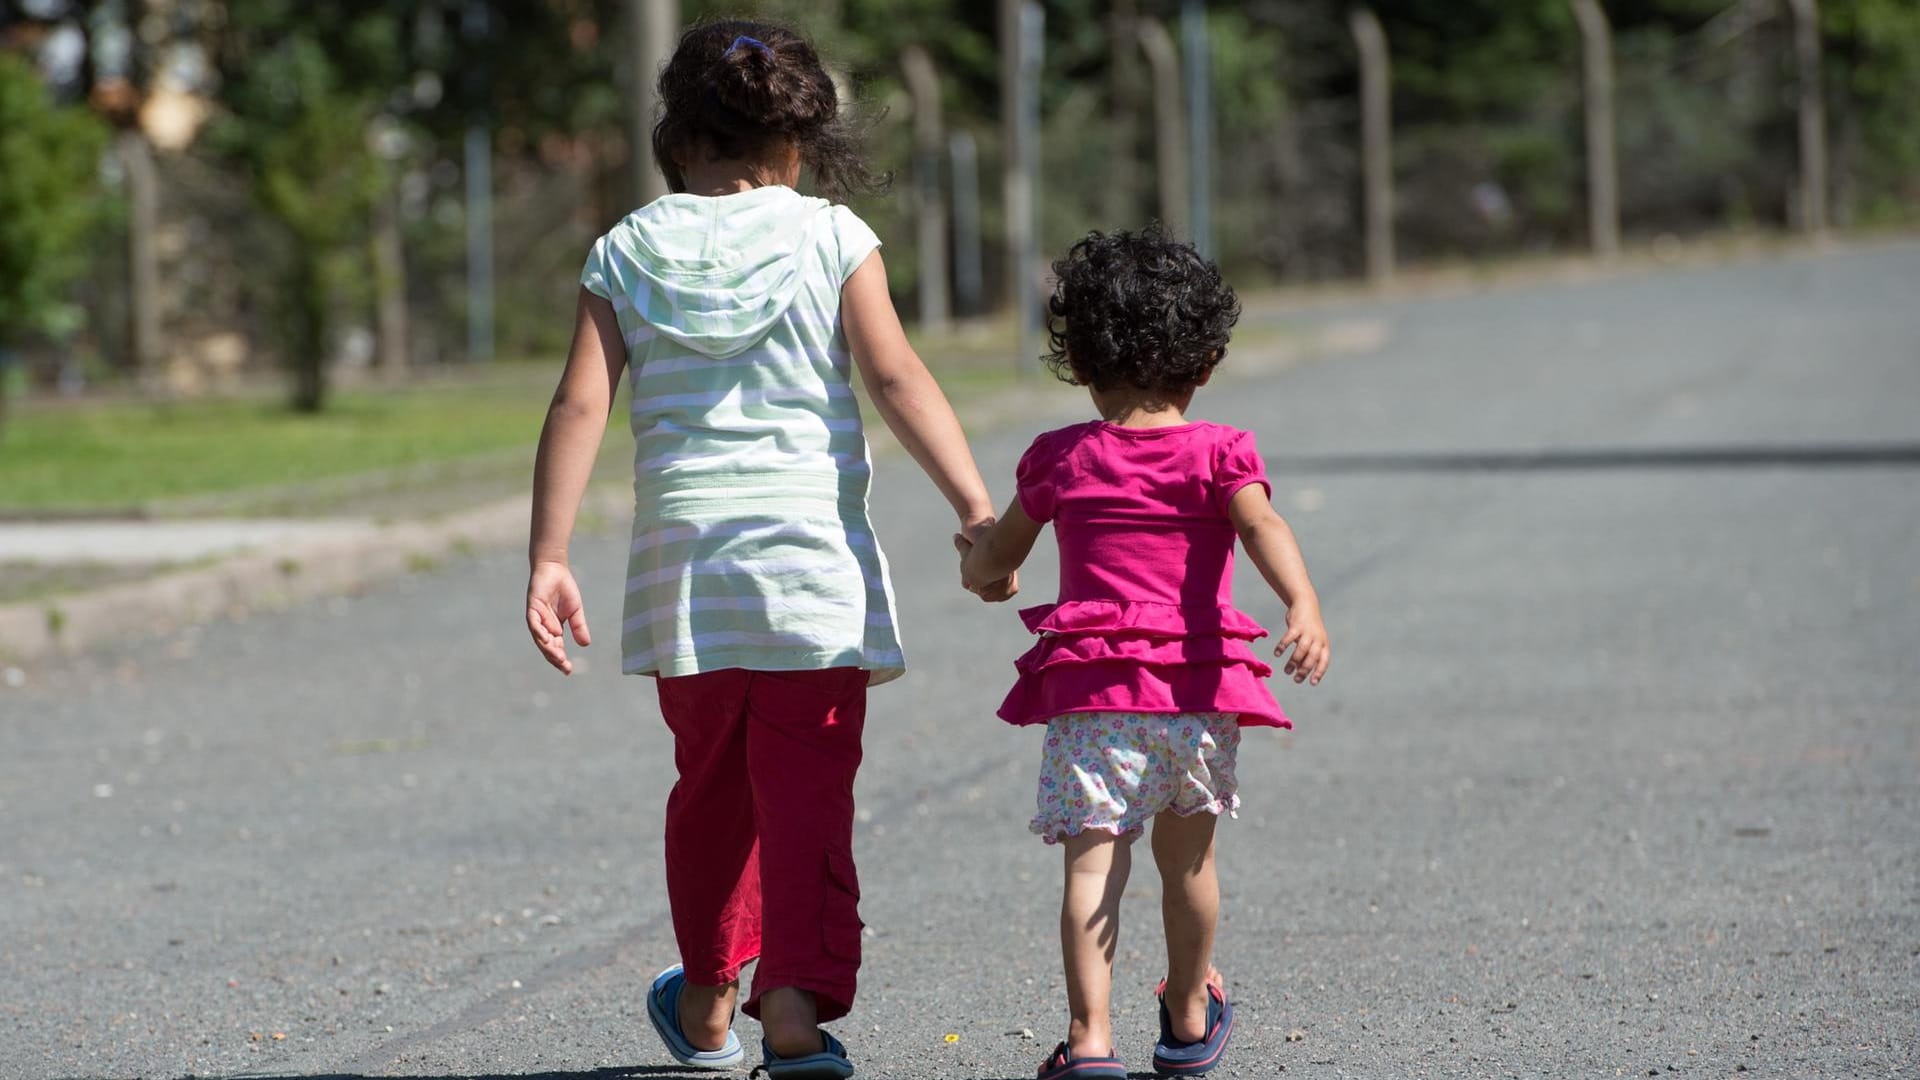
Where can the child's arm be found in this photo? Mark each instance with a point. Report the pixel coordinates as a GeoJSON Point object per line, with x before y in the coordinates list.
{"type": "Point", "coordinates": [908, 398]}
{"type": "Point", "coordinates": [576, 420]}
{"type": "Point", "coordinates": [1269, 542]}
{"type": "Point", "coordinates": [997, 553]}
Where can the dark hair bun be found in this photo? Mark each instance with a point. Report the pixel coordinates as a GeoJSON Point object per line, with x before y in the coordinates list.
{"type": "Point", "coordinates": [751, 81]}
{"type": "Point", "coordinates": [736, 86]}
{"type": "Point", "coordinates": [1138, 309]}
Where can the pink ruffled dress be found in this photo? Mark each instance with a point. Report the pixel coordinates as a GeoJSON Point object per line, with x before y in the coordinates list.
{"type": "Point", "coordinates": [1145, 622]}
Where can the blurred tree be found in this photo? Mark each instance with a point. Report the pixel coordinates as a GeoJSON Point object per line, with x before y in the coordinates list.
{"type": "Point", "coordinates": [1877, 43]}
{"type": "Point", "coordinates": [296, 119]}
{"type": "Point", "coordinates": [328, 106]}
{"type": "Point", "coordinates": [49, 165]}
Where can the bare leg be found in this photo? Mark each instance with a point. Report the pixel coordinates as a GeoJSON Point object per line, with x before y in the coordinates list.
{"type": "Point", "coordinates": [706, 1012]}
{"type": "Point", "coordinates": [791, 1022]}
{"type": "Point", "coordinates": [1097, 864]}
{"type": "Point", "coordinates": [1190, 907]}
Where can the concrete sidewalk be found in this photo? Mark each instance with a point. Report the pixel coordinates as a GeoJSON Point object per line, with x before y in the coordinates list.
{"type": "Point", "coordinates": [141, 542]}
{"type": "Point", "coordinates": [257, 566]}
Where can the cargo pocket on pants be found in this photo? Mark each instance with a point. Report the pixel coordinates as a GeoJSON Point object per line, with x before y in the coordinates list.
{"type": "Point", "coordinates": [840, 923]}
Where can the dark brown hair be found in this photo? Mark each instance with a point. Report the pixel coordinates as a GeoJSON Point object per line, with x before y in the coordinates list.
{"type": "Point", "coordinates": [739, 86]}
{"type": "Point", "coordinates": [1138, 309]}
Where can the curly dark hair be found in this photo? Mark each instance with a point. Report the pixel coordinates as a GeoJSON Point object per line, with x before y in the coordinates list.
{"type": "Point", "coordinates": [741, 84]}
{"type": "Point", "coordinates": [1137, 309]}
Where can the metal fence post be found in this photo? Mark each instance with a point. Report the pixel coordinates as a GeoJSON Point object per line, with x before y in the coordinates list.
{"type": "Point", "coordinates": [143, 265]}
{"type": "Point", "coordinates": [1169, 129]}
{"type": "Point", "coordinates": [1603, 178]}
{"type": "Point", "coordinates": [1812, 118]}
{"type": "Point", "coordinates": [923, 86]}
{"type": "Point", "coordinates": [1198, 50]}
{"type": "Point", "coordinates": [1122, 202]}
{"type": "Point", "coordinates": [1376, 141]}
{"type": "Point", "coordinates": [389, 257]}
{"type": "Point", "coordinates": [653, 29]}
{"type": "Point", "coordinates": [1022, 25]}
{"type": "Point", "coordinates": [968, 276]}
{"type": "Point", "coordinates": [479, 175]}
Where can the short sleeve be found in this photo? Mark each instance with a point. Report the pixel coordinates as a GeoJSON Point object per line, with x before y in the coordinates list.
{"type": "Point", "coordinates": [1236, 464]}
{"type": "Point", "coordinates": [855, 240]}
{"type": "Point", "coordinates": [1034, 483]}
{"type": "Point", "coordinates": [593, 276]}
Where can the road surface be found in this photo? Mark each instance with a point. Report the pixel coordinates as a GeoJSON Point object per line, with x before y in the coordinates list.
{"type": "Point", "coordinates": [1616, 772]}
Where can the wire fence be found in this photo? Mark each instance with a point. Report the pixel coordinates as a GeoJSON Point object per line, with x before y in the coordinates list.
{"type": "Point", "coordinates": [1704, 121]}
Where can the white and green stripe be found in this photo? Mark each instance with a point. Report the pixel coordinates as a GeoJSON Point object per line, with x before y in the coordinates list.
{"type": "Point", "coordinates": [752, 545]}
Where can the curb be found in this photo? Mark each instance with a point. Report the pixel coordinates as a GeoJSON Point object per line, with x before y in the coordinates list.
{"type": "Point", "coordinates": [66, 625]}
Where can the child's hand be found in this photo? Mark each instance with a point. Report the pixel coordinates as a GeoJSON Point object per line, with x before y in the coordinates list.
{"type": "Point", "coordinates": [993, 592]}
{"type": "Point", "coordinates": [1308, 636]}
{"type": "Point", "coordinates": [999, 592]}
{"type": "Point", "coordinates": [553, 599]}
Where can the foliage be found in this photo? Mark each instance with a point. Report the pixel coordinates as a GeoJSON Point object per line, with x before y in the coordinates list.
{"type": "Point", "coordinates": [49, 162]}
{"type": "Point", "coordinates": [1486, 112]}
{"type": "Point", "coordinates": [1879, 69]}
{"type": "Point", "coordinates": [299, 127]}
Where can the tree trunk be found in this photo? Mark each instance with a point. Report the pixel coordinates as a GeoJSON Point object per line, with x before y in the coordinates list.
{"type": "Point", "coordinates": [6, 371]}
{"type": "Point", "coordinates": [307, 337]}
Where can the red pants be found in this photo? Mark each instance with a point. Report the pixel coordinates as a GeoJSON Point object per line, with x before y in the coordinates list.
{"type": "Point", "coordinates": [760, 829]}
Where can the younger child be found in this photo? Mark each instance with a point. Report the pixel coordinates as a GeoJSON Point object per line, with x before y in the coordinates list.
{"type": "Point", "coordinates": [756, 592]}
{"type": "Point", "coordinates": [1143, 673]}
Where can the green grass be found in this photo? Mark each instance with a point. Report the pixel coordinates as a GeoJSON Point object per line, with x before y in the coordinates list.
{"type": "Point", "coordinates": [382, 453]}
{"type": "Point", "coordinates": [122, 455]}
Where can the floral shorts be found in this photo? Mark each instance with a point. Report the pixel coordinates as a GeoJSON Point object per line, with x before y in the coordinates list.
{"type": "Point", "coordinates": [1113, 771]}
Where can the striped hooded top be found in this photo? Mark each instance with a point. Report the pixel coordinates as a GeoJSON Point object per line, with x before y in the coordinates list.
{"type": "Point", "coordinates": [751, 544]}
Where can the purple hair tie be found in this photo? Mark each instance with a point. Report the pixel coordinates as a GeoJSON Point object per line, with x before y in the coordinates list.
{"type": "Point", "coordinates": [751, 43]}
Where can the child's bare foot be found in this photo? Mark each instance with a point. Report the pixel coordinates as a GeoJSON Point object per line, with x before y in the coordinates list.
{"type": "Point", "coordinates": [706, 1013]}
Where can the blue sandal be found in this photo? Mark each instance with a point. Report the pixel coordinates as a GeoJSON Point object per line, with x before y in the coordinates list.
{"type": "Point", "coordinates": [663, 1008]}
{"type": "Point", "coordinates": [828, 1064]}
{"type": "Point", "coordinates": [1174, 1057]}
{"type": "Point", "coordinates": [1062, 1065]}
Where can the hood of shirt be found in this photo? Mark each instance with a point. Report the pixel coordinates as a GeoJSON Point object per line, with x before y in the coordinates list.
{"type": "Point", "coordinates": [716, 272]}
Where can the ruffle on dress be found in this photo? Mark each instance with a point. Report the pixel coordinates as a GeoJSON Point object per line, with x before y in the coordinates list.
{"type": "Point", "coordinates": [1121, 656]}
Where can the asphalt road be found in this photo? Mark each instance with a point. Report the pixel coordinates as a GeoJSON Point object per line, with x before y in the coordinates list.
{"type": "Point", "coordinates": [1616, 771]}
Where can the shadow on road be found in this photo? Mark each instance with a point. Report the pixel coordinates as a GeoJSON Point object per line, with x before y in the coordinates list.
{"type": "Point", "coordinates": [1814, 456]}
{"type": "Point", "coordinates": [633, 1072]}
{"type": "Point", "coordinates": [607, 1073]}
{"type": "Point", "coordinates": [611, 1072]}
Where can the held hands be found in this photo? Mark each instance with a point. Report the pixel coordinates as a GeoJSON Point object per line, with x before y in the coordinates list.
{"type": "Point", "coordinates": [993, 592]}
{"type": "Point", "coordinates": [1308, 637]}
{"type": "Point", "coordinates": [553, 601]}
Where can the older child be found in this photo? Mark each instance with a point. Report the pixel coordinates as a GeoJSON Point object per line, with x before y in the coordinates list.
{"type": "Point", "coordinates": [756, 591]}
